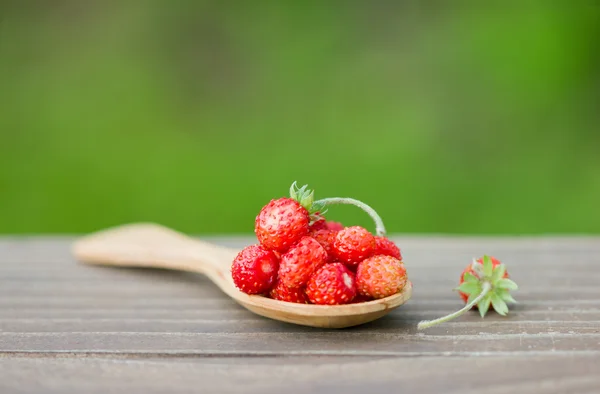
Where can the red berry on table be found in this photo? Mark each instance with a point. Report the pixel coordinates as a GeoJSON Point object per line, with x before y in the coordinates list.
{"type": "Point", "coordinates": [281, 223]}
{"type": "Point", "coordinates": [326, 239]}
{"type": "Point", "coordinates": [300, 261]}
{"type": "Point", "coordinates": [380, 276]}
{"type": "Point", "coordinates": [332, 284]}
{"type": "Point", "coordinates": [386, 247]}
{"type": "Point", "coordinates": [485, 283]}
{"type": "Point", "coordinates": [353, 244]}
{"type": "Point", "coordinates": [283, 293]}
{"type": "Point", "coordinates": [254, 270]}
{"type": "Point", "coordinates": [469, 269]}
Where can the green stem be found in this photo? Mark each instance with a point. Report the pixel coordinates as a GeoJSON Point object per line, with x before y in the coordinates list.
{"type": "Point", "coordinates": [379, 228]}
{"type": "Point", "coordinates": [486, 287]}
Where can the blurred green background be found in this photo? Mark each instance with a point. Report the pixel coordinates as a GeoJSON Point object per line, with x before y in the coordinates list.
{"type": "Point", "coordinates": [445, 118]}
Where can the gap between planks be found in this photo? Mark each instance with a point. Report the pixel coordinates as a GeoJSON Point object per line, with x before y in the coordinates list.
{"type": "Point", "coordinates": [420, 335]}
{"type": "Point", "coordinates": [287, 354]}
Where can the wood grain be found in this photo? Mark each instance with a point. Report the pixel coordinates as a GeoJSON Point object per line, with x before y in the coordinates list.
{"type": "Point", "coordinates": [67, 327]}
{"type": "Point", "coordinates": [311, 374]}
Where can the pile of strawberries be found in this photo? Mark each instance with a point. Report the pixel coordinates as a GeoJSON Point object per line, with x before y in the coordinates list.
{"type": "Point", "coordinates": [301, 257]}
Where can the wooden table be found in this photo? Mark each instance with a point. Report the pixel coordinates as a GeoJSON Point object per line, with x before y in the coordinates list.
{"type": "Point", "coordinates": [70, 328]}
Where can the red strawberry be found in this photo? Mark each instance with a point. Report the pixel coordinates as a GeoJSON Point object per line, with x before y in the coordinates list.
{"type": "Point", "coordinates": [319, 224]}
{"type": "Point", "coordinates": [332, 284]}
{"type": "Point", "coordinates": [361, 298]}
{"type": "Point", "coordinates": [484, 284]}
{"type": "Point", "coordinates": [322, 224]}
{"type": "Point", "coordinates": [469, 269]}
{"type": "Point", "coordinates": [353, 244]}
{"type": "Point", "coordinates": [281, 223]}
{"type": "Point", "coordinates": [283, 293]}
{"type": "Point", "coordinates": [326, 239]}
{"type": "Point", "coordinates": [254, 269]}
{"type": "Point", "coordinates": [386, 247]}
{"type": "Point", "coordinates": [334, 226]}
{"type": "Point", "coordinates": [300, 261]}
{"type": "Point", "coordinates": [380, 276]}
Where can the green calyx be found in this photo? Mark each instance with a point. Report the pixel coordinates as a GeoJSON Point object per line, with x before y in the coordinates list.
{"type": "Point", "coordinates": [488, 287]}
{"type": "Point", "coordinates": [316, 209]}
{"type": "Point", "coordinates": [306, 198]}
{"type": "Point", "coordinates": [499, 287]}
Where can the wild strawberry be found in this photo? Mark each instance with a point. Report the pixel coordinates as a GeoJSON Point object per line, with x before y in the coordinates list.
{"type": "Point", "coordinates": [334, 226]}
{"type": "Point", "coordinates": [386, 247]}
{"type": "Point", "coordinates": [254, 269]}
{"type": "Point", "coordinates": [485, 282]}
{"type": "Point", "coordinates": [326, 239]}
{"type": "Point", "coordinates": [380, 276]}
{"type": "Point", "coordinates": [469, 269]}
{"type": "Point", "coordinates": [322, 224]}
{"type": "Point", "coordinates": [283, 293]}
{"type": "Point", "coordinates": [318, 224]}
{"type": "Point", "coordinates": [300, 261]}
{"type": "Point", "coordinates": [332, 284]}
{"type": "Point", "coordinates": [281, 223]}
{"type": "Point", "coordinates": [361, 298]}
{"type": "Point", "coordinates": [353, 244]}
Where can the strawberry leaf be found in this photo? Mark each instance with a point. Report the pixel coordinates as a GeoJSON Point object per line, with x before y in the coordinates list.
{"type": "Point", "coordinates": [318, 207]}
{"type": "Point", "coordinates": [506, 296]}
{"type": "Point", "coordinates": [472, 297]}
{"type": "Point", "coordinates": [499, 272]}
{"type": "Point", "coordinates": [488, 267]}
{"type": "Point", "coordinates": [484, 305]}
{"type": "Point", "coordinates": [470, 287]}
{"type": "Point", "coordinates": [470, 278]}
{"type": "Point", "coordinates": [498, 304]}
{"type": "Point", "coordinates": [507, 284]}
{"type": "Point", "coordinates": [306, 198]}
{"type": "Point", "coordinates": [294, 191]}
{"type": "Point", "coordinates": [477, 268]}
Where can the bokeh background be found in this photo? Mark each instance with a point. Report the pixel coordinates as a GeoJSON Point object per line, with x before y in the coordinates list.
{"type": "Point", "coordinates": [446, 118]}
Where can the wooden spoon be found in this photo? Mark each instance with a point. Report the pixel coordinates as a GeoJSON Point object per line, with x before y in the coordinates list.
{"type": "Point", "coordinates": [154, 246]}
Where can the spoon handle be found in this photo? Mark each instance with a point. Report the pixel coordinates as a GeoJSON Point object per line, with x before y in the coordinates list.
{"type": "Point", "coordinates": [152, 246]}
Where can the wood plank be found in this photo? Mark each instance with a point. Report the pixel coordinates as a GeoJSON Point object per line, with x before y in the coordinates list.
{"type": "Point", "coordinates": [437, 249]}
{"type": "Point", "coordinates": [153, 279]}
{"type": "Point", "coordinates": [245, 324]}
{"type": "Point", "coordinates": [575, 374]}
{"type": "Point", "coordinates": [65, 305]}
{"type": "Point", "coordinates": [66, 327]}
{"type": "Point", "coordinates": [154, 316]}
{"type": "Point", "coordinates": [182, 304]}
{"type": "Point", "coordinates": [25, 296]}
{"type": "Point", "coordinates": [370, 343]}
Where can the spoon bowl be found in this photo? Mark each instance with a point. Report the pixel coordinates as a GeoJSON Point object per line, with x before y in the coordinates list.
{"type": "Point", "coordinates": [148, 245]}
